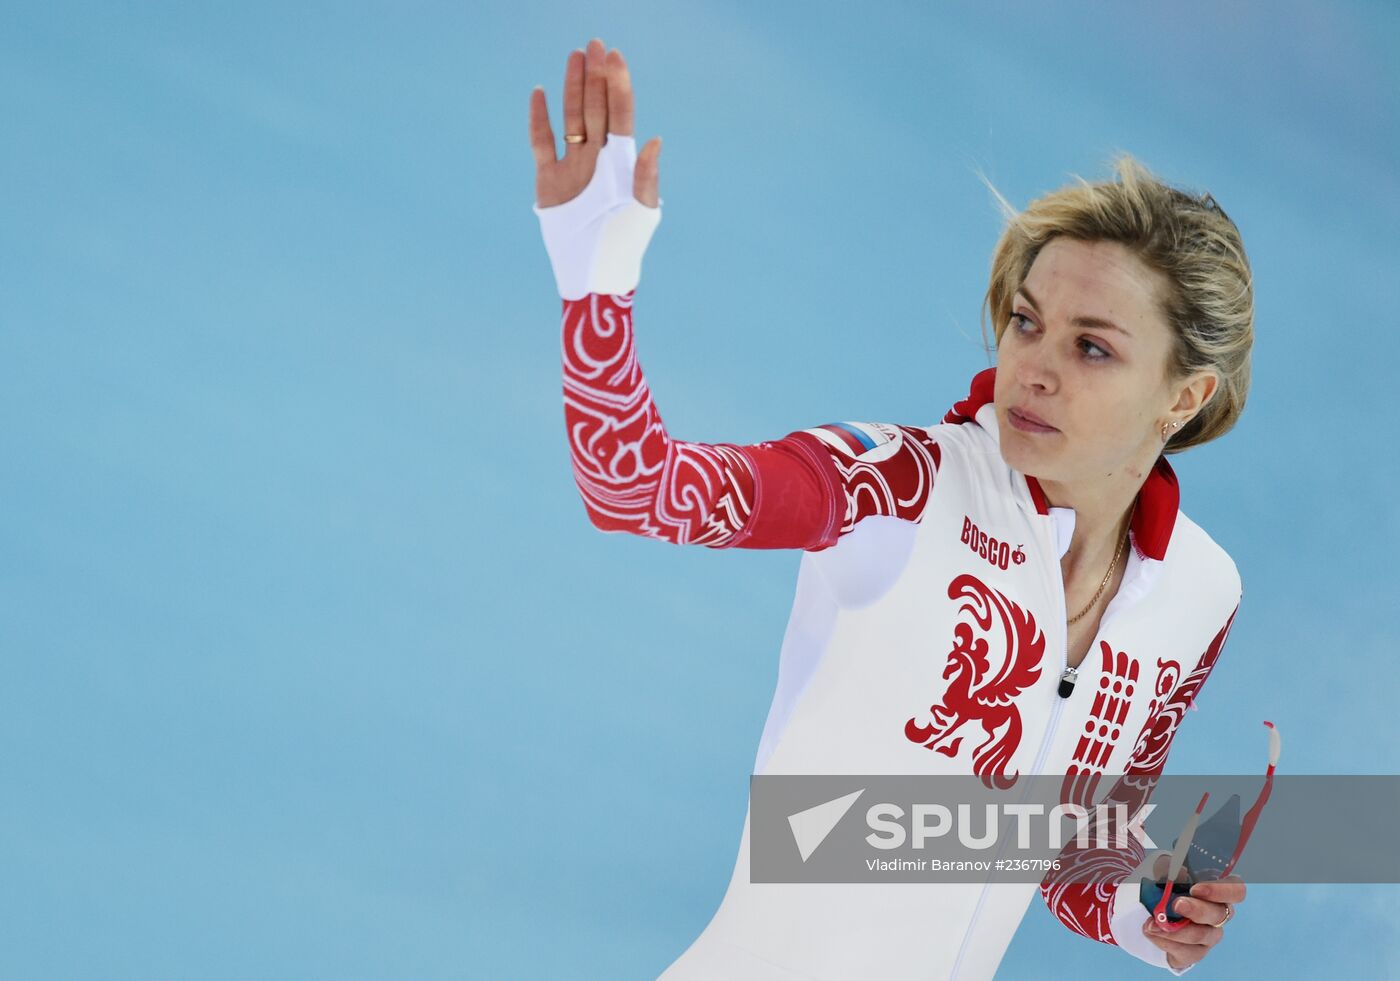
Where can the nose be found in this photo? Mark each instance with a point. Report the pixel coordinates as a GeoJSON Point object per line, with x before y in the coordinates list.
{"type": "Point", "coordinates": [1035, 369]}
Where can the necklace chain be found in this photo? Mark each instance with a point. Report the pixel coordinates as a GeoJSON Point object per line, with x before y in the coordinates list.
{"type": "Point", "coordinates": [1107, 576]}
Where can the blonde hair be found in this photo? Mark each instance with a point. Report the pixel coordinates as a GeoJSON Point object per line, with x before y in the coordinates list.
{"type": "Point", "coordinates": [1209, 300]}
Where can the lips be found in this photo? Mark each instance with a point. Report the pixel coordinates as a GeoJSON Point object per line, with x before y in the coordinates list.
{"type": "Point", "coordinates": [1027, 421]}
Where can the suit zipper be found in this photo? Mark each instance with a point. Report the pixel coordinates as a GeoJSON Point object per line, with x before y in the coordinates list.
{"type": "Point", "coordinates": [1051, 728]}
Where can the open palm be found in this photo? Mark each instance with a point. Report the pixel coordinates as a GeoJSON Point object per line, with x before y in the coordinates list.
{"type": "Point", "coordinates": [597, 101]}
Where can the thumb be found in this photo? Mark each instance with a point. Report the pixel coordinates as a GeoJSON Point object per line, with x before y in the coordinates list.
{"type": "Point", "coordinates": [646, 174]}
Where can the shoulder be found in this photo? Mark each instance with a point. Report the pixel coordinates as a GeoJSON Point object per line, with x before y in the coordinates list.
{"type": "Point", "coordinates": [869, 442]}
{"type": "Point", "coordinates": [1194, 557]}
{"type": "Point", "coordinates": [943, 450]}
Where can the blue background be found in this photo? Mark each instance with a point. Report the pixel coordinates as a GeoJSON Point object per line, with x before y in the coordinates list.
{"type": "Point", "coordinates": [313, 665]}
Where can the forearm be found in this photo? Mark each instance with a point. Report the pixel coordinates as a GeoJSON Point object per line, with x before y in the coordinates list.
{"type": "Point", "coordinates": [631, 474]}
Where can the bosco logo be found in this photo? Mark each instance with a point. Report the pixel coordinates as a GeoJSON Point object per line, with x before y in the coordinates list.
{"type": "Point", "coordinates": [997, 553]}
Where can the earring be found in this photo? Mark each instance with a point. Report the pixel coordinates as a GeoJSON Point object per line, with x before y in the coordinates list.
{"type": "Point", "coordinates": [1174, 427]}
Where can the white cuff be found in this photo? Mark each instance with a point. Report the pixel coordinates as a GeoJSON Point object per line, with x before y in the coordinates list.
{"type": "Point", "coordinates": [1125, 922]}
{"type": "Point", "coordinates": [596, 239]}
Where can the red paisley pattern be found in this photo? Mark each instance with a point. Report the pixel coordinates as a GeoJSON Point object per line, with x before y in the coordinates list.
{"type": "Point", "coordinates": [980, 691]}
{"type": "Point", "coordinates": [796, 492]}
{"type": "Point", "coordinates": [1081, 893]}
{"type": "Point", "coordinates": [1149, 752]}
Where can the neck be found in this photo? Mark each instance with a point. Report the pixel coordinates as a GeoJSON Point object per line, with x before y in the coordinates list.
{"type": "Point", "coordinates": [1102, 508]}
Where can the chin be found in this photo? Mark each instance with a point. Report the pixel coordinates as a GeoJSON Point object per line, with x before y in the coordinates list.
{"type": "Point", "coordinates": [1020, 455]}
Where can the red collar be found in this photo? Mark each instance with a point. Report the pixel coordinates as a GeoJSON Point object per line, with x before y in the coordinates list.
{"type": "Point", "coordinates": [1157, 501]}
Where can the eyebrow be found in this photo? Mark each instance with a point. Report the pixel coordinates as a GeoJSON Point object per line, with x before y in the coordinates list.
{"type": "Point", "coordinates": [1092, 323]}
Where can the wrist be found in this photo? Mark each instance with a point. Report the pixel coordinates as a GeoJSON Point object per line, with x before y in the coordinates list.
{"type": "Point", "coordinates": [596, 239]}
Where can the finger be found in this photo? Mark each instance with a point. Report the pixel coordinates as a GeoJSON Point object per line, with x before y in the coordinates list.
{"type": "Point", "coordinates": [1191, 933]}
{"type": "Point", "coordinates": [541, 135]}
{"type": "Point", "coordinates": [620, 115]}
{"type": "Point", "coordinates": [646, 181]}
{"type": "Point", "coordinates": [595, 95]}
{"type": "Point", "coordinates": [1230, 889]}
{"type": "Point", "coordinates": [1182, 952]}
{"type": "Point", "coordinates": [1201, 911]}
{"type": "Point", "coordinates": [573, 98]}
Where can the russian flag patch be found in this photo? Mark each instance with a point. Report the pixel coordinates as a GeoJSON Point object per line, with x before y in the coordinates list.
{"type": "Point", "coordinates": [859, 440]}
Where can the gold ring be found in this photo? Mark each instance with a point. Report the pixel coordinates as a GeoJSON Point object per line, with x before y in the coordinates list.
{"type": "Point", "coordinates": [574, 137]}
{"type": "Point", "coordinates": [1229, 912]}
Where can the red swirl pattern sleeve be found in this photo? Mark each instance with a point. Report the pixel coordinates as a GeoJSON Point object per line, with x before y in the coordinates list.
{"type": "Point", "coordinates": [802, 491]}
{"type": "Point", "coordinates": [1091, 889]}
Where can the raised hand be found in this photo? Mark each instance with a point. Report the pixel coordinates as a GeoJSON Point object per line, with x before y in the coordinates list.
{"type": "Point", "coordinates": [597, 102]}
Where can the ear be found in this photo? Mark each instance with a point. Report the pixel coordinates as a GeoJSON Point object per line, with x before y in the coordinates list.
{"type": "Point", "coordinates": [1194, 393]}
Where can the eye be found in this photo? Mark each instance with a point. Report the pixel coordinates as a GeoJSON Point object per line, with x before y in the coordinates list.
{"type": "Point", "coordinates": [1018, 321]}
{"type": "Point", "coordinates": [1092, 351]}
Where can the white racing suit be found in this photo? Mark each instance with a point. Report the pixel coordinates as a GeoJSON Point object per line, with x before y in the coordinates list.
{"type": "Point", "coordinates": [927, 634]}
